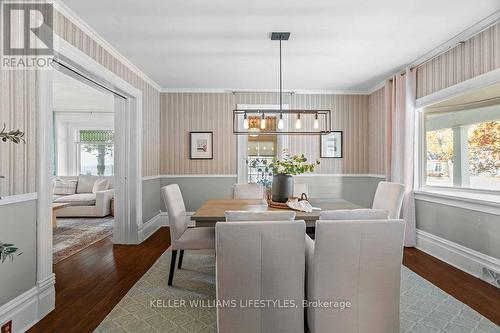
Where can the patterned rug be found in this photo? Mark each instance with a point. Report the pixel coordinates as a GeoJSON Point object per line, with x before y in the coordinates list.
{"type": "Point", "coordinates": [150, 305]}
{"type": "Point", "coordinates": [74, 234]}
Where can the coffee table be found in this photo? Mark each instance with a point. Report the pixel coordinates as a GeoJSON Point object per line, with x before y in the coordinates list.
{"type": "Point", "coordinates": [56, 206]}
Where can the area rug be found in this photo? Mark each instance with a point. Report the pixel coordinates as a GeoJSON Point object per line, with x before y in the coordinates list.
{"type": "Point", "coordinates": [74, 234]}
{"type": "Point", "coordinates": [150, 306]}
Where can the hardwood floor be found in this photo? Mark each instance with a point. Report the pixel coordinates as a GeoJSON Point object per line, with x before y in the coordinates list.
{"type": "Point", "coordinates": [91, 282]}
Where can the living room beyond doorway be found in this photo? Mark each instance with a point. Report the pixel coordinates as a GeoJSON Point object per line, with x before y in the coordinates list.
{"type": "Point", "coordinates": [83, 165]}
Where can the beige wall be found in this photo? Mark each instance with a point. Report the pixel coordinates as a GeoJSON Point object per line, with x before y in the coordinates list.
{"type": "Point", "coordinates": [185, 112]}
{"type": "Point", "coordinates": [478, 55]}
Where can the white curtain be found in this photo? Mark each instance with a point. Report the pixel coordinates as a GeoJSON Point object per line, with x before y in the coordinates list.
{"type": "Point", "coordinates": [400, 114]}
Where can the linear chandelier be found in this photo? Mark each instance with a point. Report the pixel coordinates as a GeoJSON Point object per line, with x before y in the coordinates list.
{"type": "Point", "coordinates": [298, 121]}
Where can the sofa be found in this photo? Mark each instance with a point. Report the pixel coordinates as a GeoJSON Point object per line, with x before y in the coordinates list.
{"type": "Point", "coordinates": [86, 196]}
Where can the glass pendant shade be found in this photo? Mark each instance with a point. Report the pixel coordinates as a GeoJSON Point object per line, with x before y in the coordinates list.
{"type": "Point", "coordinates": [281, 124]}
{"type": "Point", "coordinates": [316, 122]}
{"type": "Point", "coordinates": [263, 122]}
{"type": "Point", "coordinates": [298, 123]}
{"type": "Point", "coordinates": [245, 122]}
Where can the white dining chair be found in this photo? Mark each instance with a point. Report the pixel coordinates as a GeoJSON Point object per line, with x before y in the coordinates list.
{"type": "Point", "coordinates": [299, 188]}
{"type": "Point", "coordinates": [260, 261]}
{"type": "Point", "coordinates": [248, 191]}
{"type": "Point", "coordinates": [389, 196]}
{"type": "Point", "coordinates": [181, 237]}
{"type": "Point", "coordinates": [360, 262]}
{"type": "Point", "coordinates": [244, 215]}
{"type": "Point", "coordinates": [354, 214]}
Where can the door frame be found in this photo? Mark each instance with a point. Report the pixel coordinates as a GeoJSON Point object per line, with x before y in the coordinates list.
{"type": "Point", "coordinates": [128, 148]}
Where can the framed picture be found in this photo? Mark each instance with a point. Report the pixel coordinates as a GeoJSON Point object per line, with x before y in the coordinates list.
{"type": "Point", "coordinates": [201, 145]}
{"type": "Point", "coordinates": [331, 145]}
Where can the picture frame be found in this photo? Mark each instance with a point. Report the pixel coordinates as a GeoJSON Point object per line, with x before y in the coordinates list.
{"type": "Point", "coordinates": [331, 145]}
{"type": "Point", "coordinates": [201, 145]}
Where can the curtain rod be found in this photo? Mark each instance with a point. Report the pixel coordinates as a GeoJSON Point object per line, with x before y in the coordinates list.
{"type": "Point", "coordinates": [461, 42]}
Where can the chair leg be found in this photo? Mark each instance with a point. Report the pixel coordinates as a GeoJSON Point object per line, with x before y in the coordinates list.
{"type": "Point", "coordinates": [172, 267]}
{"type": "Point", "coordinates": [181, 255]}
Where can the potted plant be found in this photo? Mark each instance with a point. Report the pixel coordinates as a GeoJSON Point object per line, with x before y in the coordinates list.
{"type": "Point", "coordinates": [283, 172]}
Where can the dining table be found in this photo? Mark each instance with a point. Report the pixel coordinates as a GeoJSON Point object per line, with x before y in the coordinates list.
{"type": "Point", "coordinates": [213, 211]}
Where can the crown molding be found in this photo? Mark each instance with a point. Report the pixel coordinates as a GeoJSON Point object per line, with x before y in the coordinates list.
{"type": "Point", "coordinates": [82, 25]}
{"type": "Point", "coordinates": [376, 87]}
{"type": "Point", "coordinates": [249, 91]}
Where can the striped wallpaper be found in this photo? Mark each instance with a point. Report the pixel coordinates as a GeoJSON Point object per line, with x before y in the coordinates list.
{"type": "Point", "coordinates": [376, 132]}
{"type": "Point", "coordinates": [476, 56]}
{"type": "Point", "coordinates": [185, 112]}
{"type": "Point", "coordinates": [18, 111]}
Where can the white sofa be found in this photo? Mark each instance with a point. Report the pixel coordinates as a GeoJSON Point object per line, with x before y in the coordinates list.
{"type": "Point", "coordinates": [84, 202]}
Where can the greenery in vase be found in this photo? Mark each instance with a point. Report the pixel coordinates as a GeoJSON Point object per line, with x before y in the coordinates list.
{"type": "Point", "coordinates": [288, 165]}
{"type": "Point", "coordinates": [8, 251]}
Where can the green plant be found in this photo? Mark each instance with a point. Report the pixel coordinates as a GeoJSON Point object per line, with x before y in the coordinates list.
{"type": "Point", "coordinates": [289, 165]}
{"type": "Point", "coordinates": [8, 251]}
{"type": "Point", "coordinates": [15, 136]}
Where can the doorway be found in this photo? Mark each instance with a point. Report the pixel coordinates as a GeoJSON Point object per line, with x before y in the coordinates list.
{"type": "Point", "coordinates": [83, 202]}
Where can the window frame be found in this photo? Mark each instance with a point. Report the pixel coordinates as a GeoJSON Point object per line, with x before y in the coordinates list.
{"type": "Point", "coordinates": [485, 200]}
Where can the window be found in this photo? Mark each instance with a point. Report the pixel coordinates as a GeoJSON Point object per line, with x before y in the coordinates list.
{"type": "Point", "coordinates": [260, 155]}
{"type": "Point", "coordinates": [96, 150]}
{"type": "Point", "coordinates": [462, 148]}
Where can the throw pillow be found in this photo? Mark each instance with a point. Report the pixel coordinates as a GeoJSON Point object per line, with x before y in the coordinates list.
{"type": "Point", "coordinates": [100, 185]}
{"type": "Point", "coordinates": [62, 187]}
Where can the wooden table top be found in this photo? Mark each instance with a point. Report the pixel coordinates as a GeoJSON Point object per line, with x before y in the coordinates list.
{"type": "Point", "coordinates": [213, 210]}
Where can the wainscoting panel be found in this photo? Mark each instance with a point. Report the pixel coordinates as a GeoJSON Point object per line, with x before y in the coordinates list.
{"type": "Point", "coordinates": [478, 55]}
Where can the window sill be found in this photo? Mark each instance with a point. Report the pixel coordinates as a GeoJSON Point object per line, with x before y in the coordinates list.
{"type": "Point", "coordinates": [482, 202]}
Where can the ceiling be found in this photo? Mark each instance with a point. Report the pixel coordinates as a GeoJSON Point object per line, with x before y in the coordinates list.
{"type": "Point", "coordinates": [224, 44]}
{"type": "Point", "coordinates": [70, 94]}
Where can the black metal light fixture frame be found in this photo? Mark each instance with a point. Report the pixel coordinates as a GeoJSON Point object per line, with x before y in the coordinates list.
{"type": "Point", "coordinates": [241, 112]}
{"type": "Point", "coordinates": [280, 36]}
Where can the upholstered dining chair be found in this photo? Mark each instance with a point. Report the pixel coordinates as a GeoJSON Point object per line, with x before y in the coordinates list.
{"type": "Point", "coordinates": [354, 214]}
{"type": "Point", "coordinates": [360, 262]}
{"type": "Point", "coordinates": [248, 191]}
{"type": "Point", "coordinates": [243, 215]}
{"type": "Point", "coordinates": [389, 196]}
{"type": "Point", "coordinates": [181, 237]}
{"type": "Point", "coordinates": [260, 261]}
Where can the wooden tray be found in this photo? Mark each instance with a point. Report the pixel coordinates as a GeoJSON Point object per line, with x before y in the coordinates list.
{"type": "Point", "coordinates": [282, 205]}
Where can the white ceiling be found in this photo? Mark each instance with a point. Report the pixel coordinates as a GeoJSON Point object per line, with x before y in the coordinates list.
{"type": "Point", "coordinates": [224, 44]}
{"type": "Point", "coordinates": [70, 94]}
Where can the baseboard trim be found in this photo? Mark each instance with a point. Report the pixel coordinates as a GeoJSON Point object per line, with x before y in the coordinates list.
{"type": "Point", "coordinates": [152, 225]}
{"type": "Point", "coordinates": [31, 306]}
{"type": "Point", "coordinates": [461, 257]}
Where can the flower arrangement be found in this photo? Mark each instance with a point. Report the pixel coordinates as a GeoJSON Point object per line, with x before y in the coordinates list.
{"type": "Point", "coordinates": [292, 164]}
{"type": "Point", "coordinates": [289, 165]}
